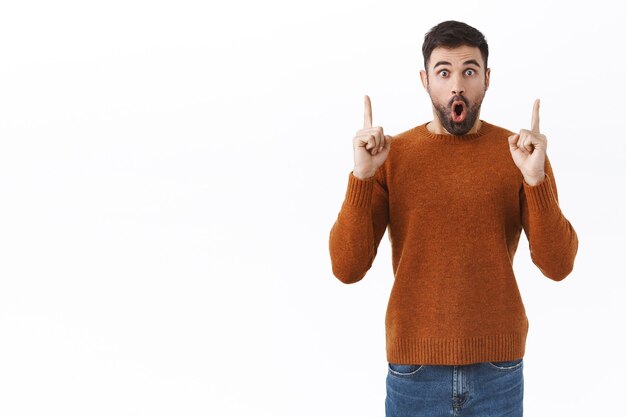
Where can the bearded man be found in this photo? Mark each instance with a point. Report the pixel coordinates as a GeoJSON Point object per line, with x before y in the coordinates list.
{"type": "Point", "coordinates": [454, 195]}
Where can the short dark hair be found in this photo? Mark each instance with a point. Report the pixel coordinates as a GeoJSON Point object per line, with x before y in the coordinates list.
{"type": "Point", "coordinates": [451, 34]}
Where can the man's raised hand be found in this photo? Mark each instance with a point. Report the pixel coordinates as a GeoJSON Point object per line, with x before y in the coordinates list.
{"type": "Point", "coordinates": [528, 149]}
{"type": "Point", "coordinates": [371, 146]}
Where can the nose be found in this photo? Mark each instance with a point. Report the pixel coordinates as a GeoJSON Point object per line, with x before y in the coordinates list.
{"type": "Point", "coordinates": [458, 89]}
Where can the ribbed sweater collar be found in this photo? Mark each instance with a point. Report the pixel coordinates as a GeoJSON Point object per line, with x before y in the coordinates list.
{"type": "Point", "coordinates": [423, 131]}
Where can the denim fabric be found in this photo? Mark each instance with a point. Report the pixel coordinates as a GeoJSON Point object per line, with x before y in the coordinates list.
{"type": "Point", "coordinates": [486, 389]}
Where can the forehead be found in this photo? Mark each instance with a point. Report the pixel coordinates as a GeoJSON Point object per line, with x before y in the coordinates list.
{"type": "Point", "coordinates": [455, 56]}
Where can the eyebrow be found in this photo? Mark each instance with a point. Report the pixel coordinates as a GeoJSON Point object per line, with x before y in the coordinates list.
{"type": "Point", "coordinates": [468, 62]}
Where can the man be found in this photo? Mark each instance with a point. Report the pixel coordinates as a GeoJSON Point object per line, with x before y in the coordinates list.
{"type": "Point", "coordinates": [454, 194]}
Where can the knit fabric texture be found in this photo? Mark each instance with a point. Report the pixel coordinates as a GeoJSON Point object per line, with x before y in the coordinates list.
{"type": "Point", "coordinates": [454, 208]}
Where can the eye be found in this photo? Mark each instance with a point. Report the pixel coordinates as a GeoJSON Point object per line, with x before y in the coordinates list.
{"type": "Point", "coordinates": [470, 72]}
{"type": "Point", "coordinates": [443, 73]}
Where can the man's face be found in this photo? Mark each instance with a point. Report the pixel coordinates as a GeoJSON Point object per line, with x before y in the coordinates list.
{"type": "Point", "coordinates": [456, 83]}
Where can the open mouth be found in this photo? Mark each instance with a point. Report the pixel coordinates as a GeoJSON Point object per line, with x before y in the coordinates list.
{"type": "Point", "coordinates": [458, 111]}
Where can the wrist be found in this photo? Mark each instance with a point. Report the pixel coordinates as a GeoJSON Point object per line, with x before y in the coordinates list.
{"type": "Point", "coordinates": [362, 175]}
{"type": "Point", "coordinates": [532, 181]}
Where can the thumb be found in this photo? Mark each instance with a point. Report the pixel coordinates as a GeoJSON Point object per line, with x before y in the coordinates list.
{"type": "Point", "coordinates": [513, 142]}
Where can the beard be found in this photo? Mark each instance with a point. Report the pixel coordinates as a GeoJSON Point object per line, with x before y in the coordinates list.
{"type": "Point", "coordinates": [445, 115]}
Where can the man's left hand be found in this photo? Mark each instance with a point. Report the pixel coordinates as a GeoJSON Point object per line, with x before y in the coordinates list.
{"type": "Point", "coordinates": [528, 149]}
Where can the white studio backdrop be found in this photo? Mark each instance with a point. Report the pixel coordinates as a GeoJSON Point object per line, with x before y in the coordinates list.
{"type": "Point", "coordinates": [170, 171]}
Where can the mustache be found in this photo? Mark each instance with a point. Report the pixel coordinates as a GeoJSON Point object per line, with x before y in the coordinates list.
{"type": "Point", "coordinates": [458, 98]}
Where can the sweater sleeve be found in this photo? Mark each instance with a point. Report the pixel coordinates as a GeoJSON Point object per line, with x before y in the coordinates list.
{"type": "Point", "coordinates": [360, 225]}
{"type": "Point", "coordinates": [552, 239]}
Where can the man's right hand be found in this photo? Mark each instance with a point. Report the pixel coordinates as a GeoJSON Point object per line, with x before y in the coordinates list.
{"type": "Point", "coordinates": [371, 146]}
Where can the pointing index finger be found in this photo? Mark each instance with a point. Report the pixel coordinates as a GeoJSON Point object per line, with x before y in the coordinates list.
{"type": "Point", "coordinates": [367, 122]}
{"type": "Point", "coordinates": [535, 119]}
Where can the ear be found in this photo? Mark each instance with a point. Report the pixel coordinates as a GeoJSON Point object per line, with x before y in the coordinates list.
{"type": "Point", "coordinates": [424, 78]}
{"type": "Point", "coordinates": [487, 75]}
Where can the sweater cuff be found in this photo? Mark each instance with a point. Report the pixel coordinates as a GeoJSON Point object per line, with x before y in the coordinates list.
{"type": "Point", "coordinates": [540, 196]}
{"type": "Point", "coordinates": [359, 193]}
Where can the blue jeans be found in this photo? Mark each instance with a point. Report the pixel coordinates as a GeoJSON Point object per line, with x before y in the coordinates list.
{"type": "Point", "coordinates": [486, 389]}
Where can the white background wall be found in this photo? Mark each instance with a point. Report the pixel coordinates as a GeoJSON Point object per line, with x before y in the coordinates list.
{"type": "Point", "coordinates": [169, 173]}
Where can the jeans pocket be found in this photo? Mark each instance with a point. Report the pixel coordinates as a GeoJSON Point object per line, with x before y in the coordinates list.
{"type": "Point", "coordinates": [398, 369]}
{"type": "Point", "coordinates": [507, 365]}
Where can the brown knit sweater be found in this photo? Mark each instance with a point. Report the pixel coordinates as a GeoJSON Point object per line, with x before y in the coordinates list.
{"type": "Point", "coordinates": [454, 207]}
